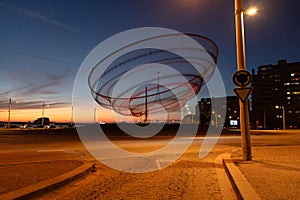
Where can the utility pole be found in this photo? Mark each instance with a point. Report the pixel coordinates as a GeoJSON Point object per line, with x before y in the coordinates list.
{"type": "Point", "coordinates": [9, 109]}
{"type": "Point", "coordinates": [43, 111]}
{"type": "Point", "coordinates": [265, 118]}
{"type": "Point", "coordinates": [283, 118]}
{"type": "Point", "coordinates": [241, 61]}
{"type": "Point", "coordinates": [192, 118]}
{"type": "Point", "coordinates": [146, 105]}
{"type": "Point", "coordinates": [95, 114]}
{"type": "Point", "coordinates": [72, 116]}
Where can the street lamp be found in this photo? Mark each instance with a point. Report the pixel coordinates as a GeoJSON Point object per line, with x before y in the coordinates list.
{"type": "Point", "coordinates": [43, 112]}
{"type": "Point", "coordinates": [251, 11]}
{"type": "Point", "coordinates": [283, 115]}
{"type": "Point", "coordinates": [9, 111]}
{"type": "Point", "coordinates": [72, 114]}
{"type": "Point", "coordinates": [241, 61]}
{"type": "Point", "coordinates": [216, 118]}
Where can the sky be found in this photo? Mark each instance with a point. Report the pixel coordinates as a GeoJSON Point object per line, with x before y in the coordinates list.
{"type": "Point", "coordinates": [43, 43]}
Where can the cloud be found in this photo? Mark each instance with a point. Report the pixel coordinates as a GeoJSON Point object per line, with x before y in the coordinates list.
{"type": "Point", "coordinates": [20, 79]}
{"type": "Point", "coordinates": [50, 87]}
{"type": "Point", "coordinates": [38, 16]}
{"type": "Point", "coordinates": [24, 82]}
{"type": "Point", "coordinates": [32, 104]}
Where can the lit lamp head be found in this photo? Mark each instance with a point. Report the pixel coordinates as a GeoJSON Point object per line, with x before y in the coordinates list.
{"type": "Point", "coordinates": [251, 11]}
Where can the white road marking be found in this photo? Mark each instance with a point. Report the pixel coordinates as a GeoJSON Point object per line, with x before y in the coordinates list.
{"type": "Point", "coordinates": [50, 150]}
{"type": "Point", "coordinates": [158, 164]}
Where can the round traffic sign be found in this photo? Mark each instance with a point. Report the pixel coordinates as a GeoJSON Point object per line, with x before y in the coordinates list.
{"type": "Point", "coordinates": [242, 78]}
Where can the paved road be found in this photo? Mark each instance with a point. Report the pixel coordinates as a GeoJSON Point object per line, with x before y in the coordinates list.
{"type": "Point", "coordinates": [188, 178]}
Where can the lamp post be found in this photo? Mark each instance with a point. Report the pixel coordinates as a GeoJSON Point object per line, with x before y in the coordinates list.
{"type": "Point", "coordinates": [283, 118]}
{"type": "Point", "coordinates": [146, 105]}
{"type": "Point", "coordinates": [241, 61]}
{"type": "Point", "coordinates": [43, 113]}
{"type": "Point", "coordinates": [95, 115]}
{"type": "Point", "coordinates": [216, 118]}
{"type": "Point", "coordinates": [9, 110]}
{"type": "Point", "coordinates": [72, 114]}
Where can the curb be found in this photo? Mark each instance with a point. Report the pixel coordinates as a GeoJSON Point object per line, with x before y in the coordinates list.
{"type": "Point", "coordinates": [45, 186]}
{"type": "Point", "coordinates": [225, 186]}
{"type": "Point", "coordinates": [274, 132]}
{"type": "Point", "coordinates": [240, 184]}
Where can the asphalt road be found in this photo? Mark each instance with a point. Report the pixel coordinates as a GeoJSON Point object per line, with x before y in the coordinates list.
{"type": "Point", "coordinates": [189, 177]}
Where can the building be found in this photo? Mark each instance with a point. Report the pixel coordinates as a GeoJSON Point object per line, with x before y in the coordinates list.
{"type": "Point", "coordinates": [207, 115]}
{"type": "Point", "coordinates": [276, 96]}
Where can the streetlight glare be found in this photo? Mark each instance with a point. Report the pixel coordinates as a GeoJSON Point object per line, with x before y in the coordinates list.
{"type": "Point", "coordinates": [251, 11]}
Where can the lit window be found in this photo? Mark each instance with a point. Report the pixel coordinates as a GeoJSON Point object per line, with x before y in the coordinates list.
{"type": "Point", "coordinates": [286, 83]}
{"type": "Point", "coordinates": [296, 93]}
{"type": "Point", "coordinates": [288, 98]}
{"type": "Point", "coordinates": [288, 93]}
{"type": "Point", "coordinates": [292, 74]}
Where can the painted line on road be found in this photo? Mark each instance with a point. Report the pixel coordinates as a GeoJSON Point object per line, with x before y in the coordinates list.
{"type": "Point", "coordinates": [50, 150]}
{"type": "Point", "coordinates": [158, 164]}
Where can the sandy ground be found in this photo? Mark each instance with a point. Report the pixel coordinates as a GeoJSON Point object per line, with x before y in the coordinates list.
{"type": "Point", "coordinates": [16, 176]}
{"type": "Point", "coordinates": [274, 172]}
{"type": "Point", "coordinates": [189, 178]}
{"type": "Point", "coordinates": [28, 159]}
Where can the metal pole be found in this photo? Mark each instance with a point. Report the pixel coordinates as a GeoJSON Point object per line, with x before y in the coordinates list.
{"type": "Point", "coordinates": [192, 118]}
{"type": "Point", "coordinates": [72, 115]}
{"type": "Point", "coordinates": [283, 118]}
{"type": "Point", "coordinates": [95, 114]}
{"type": "Point", "coordinates": [9, 108]}
{"type": "Point", "coordinates": [241, 61]}
{"type": "Point", "coordinates": [216, 115]}
{"type": "Point", "coordinates": [265, 118]}
{"type": "Point", "coordinates": [146, 104]}
{"type": "Point", "coordinates": [43, 114]}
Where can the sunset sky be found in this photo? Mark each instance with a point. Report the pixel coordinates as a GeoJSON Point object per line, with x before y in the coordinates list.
{"type": "Point", "coordinates": [43, 43]}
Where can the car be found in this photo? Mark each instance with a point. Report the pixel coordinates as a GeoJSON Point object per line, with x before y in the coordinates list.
{"type": "Point", "coordinates": [12, 126]}
{"type": "Point", "coordinates": [26, 126]}
{"type": "Point", "coordinates": [50, 126]}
